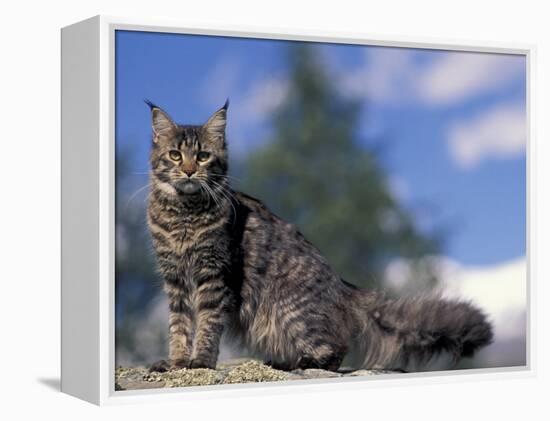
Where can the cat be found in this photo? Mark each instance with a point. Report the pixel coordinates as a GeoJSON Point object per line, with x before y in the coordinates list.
{"type": "Point", "coordinates": [231, 266]}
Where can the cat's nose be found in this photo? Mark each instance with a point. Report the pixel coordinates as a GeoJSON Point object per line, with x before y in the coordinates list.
{"type": "Point", "coordinates": [189, 172]}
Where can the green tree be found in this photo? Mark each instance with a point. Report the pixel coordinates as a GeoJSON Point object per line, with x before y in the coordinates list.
{"type": "Point", "coordinates": [315, 173]}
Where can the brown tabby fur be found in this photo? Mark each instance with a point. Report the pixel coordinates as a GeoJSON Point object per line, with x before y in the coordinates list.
{"type": "Point", "coordinates": [230, 265]}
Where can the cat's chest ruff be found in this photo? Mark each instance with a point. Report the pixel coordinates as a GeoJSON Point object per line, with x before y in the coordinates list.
{"type": "Point", "coordinates": [189, 233]}
{"type": "Point", "coordinates": [185, 239]}
{"type": "Point", "coordinates": [194, 242]}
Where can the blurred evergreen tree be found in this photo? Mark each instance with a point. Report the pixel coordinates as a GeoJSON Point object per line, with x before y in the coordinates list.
{"type": "Point", "coordinates": [315, 173]}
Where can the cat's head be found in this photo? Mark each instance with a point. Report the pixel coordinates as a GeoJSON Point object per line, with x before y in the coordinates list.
{"type": "Point", "coordinates": [188, 160]}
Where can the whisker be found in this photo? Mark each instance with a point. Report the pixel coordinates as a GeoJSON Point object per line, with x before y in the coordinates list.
{"type": "Point", "coordinates": [229, 178]}
{"type": "Point", "coordinates": [134, 194]}
{"type": "Point", "coordinates": [229, 196]}
{"type": "Point", "coordinates": [210, 193]}
{"type": "Point", "coordinates": [201, 186]}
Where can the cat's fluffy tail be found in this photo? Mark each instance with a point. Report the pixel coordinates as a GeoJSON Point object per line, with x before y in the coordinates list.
{"type": "Point", "coordinates": [394, 332]}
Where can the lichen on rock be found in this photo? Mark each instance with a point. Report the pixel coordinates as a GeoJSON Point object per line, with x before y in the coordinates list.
{"type": "Point", "coordinates": [187, 377]}
{"type": "Point", "coordinates": [229, 372]}
{"type": "Point", "coordinates": [253, 371]}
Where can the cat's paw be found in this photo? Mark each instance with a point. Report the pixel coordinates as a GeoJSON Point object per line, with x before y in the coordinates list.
{"type": "Point", "coordinates": [279, 366]}
{"type": "Point", "coordinates": [160, 366]}
{"type": "Point", "coordinates": [198, 363]}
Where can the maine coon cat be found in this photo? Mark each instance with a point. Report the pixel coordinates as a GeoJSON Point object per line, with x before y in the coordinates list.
{"type": "Point", "coordinates": [231, 266]}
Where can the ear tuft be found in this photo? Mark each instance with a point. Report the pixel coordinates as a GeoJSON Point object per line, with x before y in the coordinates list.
{"type": "Point", "coordinates": [150, 104]}
{"type": "Point", "coordinates": [216, 124]}
{"type": "Point", "coordinates": [162, 123]}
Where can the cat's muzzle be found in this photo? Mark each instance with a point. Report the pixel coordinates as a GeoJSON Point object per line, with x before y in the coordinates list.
{"type": "Point", "coordinates": [188, 187]}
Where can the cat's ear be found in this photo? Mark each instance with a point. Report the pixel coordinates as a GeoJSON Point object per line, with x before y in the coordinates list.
{"type": "Point", "coordinates": [162, 123]}
{"type": "Point", "coordinates": [215, 126]}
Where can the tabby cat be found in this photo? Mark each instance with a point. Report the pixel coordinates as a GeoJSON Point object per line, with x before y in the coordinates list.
{"type": "Point", "coordinates": [231, 266]}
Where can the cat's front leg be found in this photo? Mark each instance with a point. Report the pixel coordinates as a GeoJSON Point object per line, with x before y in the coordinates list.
{"type": "Point", "coordinates": [211, 317]}
{"type": "Point", "coordinates": [180, 332]}
{"type": "Point", "coordinates": [180, 337]}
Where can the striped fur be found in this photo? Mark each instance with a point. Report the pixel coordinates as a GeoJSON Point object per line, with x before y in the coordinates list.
{"type": "Point", "coordinates": [230, 265]}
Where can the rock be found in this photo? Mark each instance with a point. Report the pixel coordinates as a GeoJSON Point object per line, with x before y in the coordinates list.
{"type": "Point", "coordinates": [135, 379]}
{"type": "Point", "coordinates": [358, 373]}
{"type": "Point", "coordinates": [243, 370]}
{"type": "Point", "coordinates": [312, 373]}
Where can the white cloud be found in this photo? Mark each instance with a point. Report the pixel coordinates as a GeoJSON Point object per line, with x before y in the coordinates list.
{"type": "Point", "coordinates": [456, 76]}
{"type": "Point", "coordinates": [404, 276]}
{"type": "Point", "coordinates": [400, 76]}
{"type": "Point", "coordinates": [263, 97]}
{"type": "Point", "coordinates": [251, 102]}
{"type": "Point", "coordinates": [386, 75]}
{"type": "Point", "coordinates": [221, 81]}
{"type": "Point", "coordinates": [398, 187]}
{"type": "Point", "coordinates": [397, 76]}
{"type": "Point", "coordinates": [500, 132]}
{"type": "Point", "coordinates": [500, 290]}
{"type": "Point", "coordinates": [250, 111]}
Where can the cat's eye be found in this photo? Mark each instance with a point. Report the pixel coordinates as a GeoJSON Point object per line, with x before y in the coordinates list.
{"type": "Point", "coordinates": [175, 155]}
{"type": "Point", "coordinates": [203, 156]}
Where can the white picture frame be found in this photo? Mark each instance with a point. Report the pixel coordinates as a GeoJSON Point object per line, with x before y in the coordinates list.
{"type": "Point", "coordinates": [88, 213]}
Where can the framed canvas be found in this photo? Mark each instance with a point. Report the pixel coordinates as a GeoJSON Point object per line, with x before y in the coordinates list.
{"type": "Point", "coordinates": [250, 212]}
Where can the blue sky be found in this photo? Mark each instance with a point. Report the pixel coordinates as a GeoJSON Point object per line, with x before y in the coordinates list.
{"type": "Point", "coordinates": [454, 122]}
